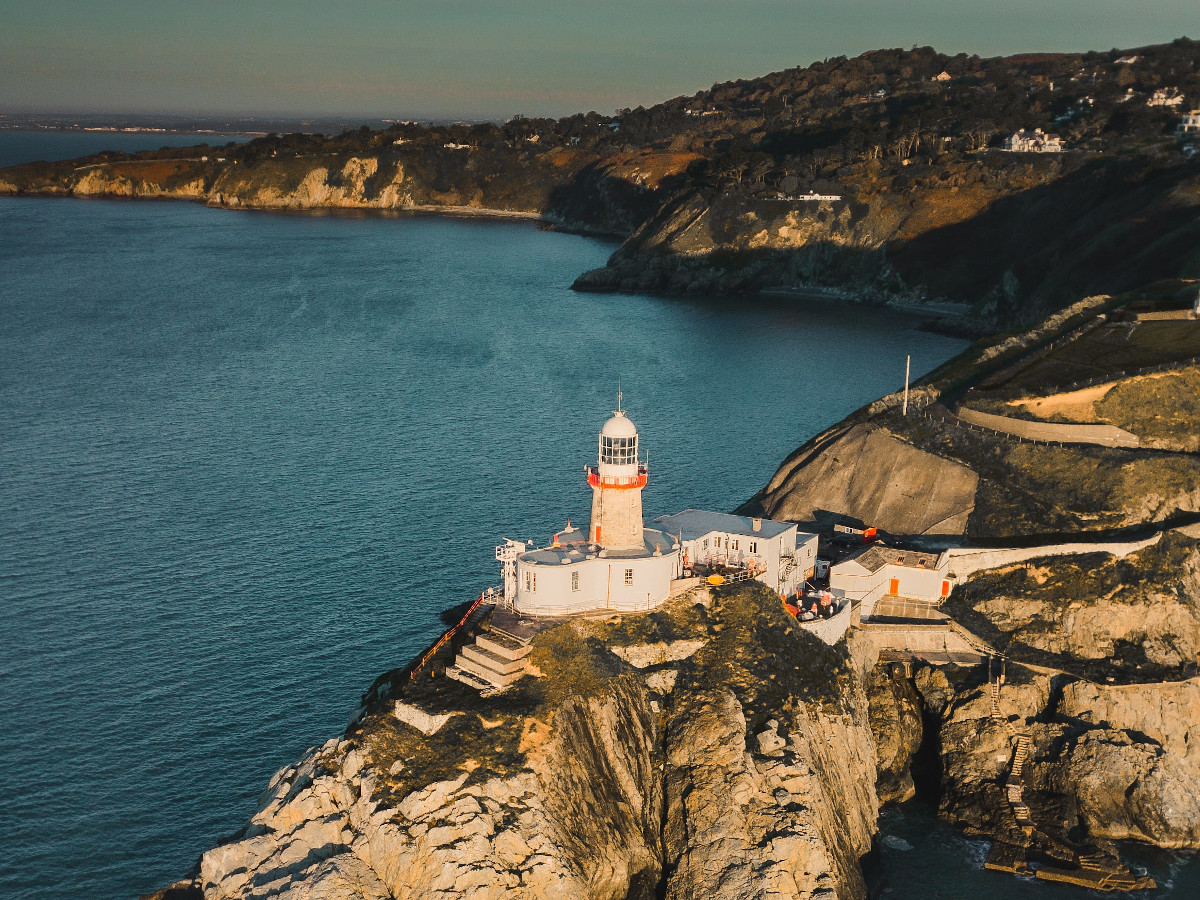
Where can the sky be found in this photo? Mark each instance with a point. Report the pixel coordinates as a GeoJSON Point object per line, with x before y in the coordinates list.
{"type": "Point", "coordinates": [491, 59]}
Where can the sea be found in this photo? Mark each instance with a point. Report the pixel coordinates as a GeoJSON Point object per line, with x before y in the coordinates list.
{"type": "Point", "coordinates": [247, 461]}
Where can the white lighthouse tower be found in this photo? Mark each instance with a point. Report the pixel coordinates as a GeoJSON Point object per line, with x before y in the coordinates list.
{"type": "Point", "coordinates": [617, 481]}
{"type": "Point", "coordinates": [619, 564]}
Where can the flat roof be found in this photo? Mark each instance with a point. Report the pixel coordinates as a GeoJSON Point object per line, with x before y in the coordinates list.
{"type": "Point", "coordinates": [695, 523]}
{"type": "Point", "coordinates": [579, 551]}
{"type": "Point", "coordinates": [877, 556]}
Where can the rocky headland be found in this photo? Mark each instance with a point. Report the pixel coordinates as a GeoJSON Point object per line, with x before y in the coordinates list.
{"type": "Point", "coordinates": [715, 748]}
{"type": "Point", "coordinates": [711, 748]}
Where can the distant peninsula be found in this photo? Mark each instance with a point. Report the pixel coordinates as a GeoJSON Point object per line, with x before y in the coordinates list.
{"type": "Point", "coordinates": [986, 192]}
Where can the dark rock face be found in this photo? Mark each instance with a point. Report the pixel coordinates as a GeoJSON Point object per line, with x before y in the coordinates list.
{"type": "Point", "coordinates": [896, 726]}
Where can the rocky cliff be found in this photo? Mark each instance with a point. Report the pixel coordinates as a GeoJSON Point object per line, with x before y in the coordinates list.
{"type": "Point", "coordinates": [729, 758]}
{"type": "Point", "coordinates": [1106, 762]}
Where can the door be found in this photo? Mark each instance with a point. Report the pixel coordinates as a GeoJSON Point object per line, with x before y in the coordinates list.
{"type": "Point", "coordinates": [894, 589]}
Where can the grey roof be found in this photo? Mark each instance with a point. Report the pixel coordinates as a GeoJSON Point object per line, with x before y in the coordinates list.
{"type": "Point", "coordinates": [576, 552]}
{"type": "Point", "coordinates": [877, 556]}
{"type": "Point", "coordinates": [695, 523]}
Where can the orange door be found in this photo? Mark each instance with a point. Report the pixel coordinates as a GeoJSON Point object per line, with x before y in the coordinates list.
{"type": "Point", "coordinates": [895, 587]}
{"type": "Point", "coordinates": [945, 589]}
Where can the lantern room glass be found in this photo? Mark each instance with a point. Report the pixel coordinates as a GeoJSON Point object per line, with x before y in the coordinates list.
{"type": "Point", "coordinates": [618, 451]}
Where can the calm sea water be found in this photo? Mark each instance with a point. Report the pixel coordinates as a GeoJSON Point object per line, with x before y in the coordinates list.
{"type": "Point", "coordinates": [247, 460]}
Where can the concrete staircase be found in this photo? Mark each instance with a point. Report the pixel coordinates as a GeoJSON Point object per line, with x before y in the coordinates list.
{"type": "Point", "coordinates": [495, 661]}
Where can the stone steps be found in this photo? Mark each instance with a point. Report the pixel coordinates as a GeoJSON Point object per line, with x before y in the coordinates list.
{"type": "Point", "coordinates": [469, 679]}
{"type": "Point", "coordinates": [502, 665]}
{"type": "Point", "coordinates": [500, 644]}
{"type": "Point", "coordinates": [486, 673]}
{"type": "Point", "coordinates": [495, 660]}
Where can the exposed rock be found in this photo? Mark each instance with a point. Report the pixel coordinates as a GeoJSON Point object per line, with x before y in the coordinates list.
{"type": "Point", "coordinates": [580, 792]}
{"type": "Point", "coordinates": [868, 472]}
{"type": "Point", "coordinates": [642, 655]}
{"type": "Point", "coordinates": [1135, 770]}
{"type": "Point", "coordinates": [1143, 610]}
{"type": "Point", "coordinates": [896, 727]}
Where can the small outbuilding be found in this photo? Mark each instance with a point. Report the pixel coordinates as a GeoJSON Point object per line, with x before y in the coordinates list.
{"type": "Point", "coordinates": [878, 571]}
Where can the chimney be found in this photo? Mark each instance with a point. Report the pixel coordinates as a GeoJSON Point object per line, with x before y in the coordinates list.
{"type": "Point", "coordinates": [757, 522]}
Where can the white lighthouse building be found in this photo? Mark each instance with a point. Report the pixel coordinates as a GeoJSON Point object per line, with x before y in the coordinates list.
{"type": "Point", "coordinates": [618, 564]}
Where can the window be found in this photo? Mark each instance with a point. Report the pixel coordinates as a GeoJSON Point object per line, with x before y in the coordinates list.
{"type": "Point", "coordinates": [535, 582]}
{"type": "Point", "coordinates": [629, 576]}
{"type": "Point", "coordinates": [705, 544]}
{"type": "Point", "coordinates": [574, 581]}
{"type": "Point", "coordinates": [618, 451]}
{"type": "Point", "coordinates": [754, 546]}
{"type": "Point", "coordinates": [526, 580]}
{"type": "Point", "coordinates": [735, 544]}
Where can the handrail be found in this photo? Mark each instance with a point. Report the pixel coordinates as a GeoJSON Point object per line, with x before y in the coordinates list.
{"type": "Point", "coordinates": [484, 595]}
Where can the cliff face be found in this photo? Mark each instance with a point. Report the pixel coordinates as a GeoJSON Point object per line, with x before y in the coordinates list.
{"type": "Point", "coordinates": [1139, 615]}
{"type": "Point", "coordinates": [579, 819]}
{"type": "Point", "coordinates": [1105, 762]}
{"type": "Point", "coordinates": [739, 767]}
{"type": "Point", "coordinates": [873, 473]}
{"type": "Point", "coordinates": [609, 193]}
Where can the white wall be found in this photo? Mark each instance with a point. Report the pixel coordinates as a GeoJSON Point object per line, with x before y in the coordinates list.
{"type": "Point", "coordinates": [853, 581]}
{"type": "Point", "coordinates": [601, 585]}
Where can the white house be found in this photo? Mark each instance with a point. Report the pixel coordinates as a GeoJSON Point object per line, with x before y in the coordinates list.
{"type": "Point", "coordinates": [1036, 141]}
{"type": "Point", "coordinates": [1189, 125]}
{"type": "Point", "coordinates": [879, 571]}
{"type": "Point", "coordinates": [779, 555]}
{"type": "Point", "coordinates": [1165, 97]}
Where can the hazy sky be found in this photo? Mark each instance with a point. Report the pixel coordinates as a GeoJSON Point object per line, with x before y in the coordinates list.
{"type": "Point", "coordinates": [494, 58]}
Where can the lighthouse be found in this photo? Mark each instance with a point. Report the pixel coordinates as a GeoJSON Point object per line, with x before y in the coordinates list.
{"type": "Point", "coordinates": [617, 480]}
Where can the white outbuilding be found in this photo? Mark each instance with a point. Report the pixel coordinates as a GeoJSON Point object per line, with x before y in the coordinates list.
{"type": "Point", "coordinates": [877, 572]}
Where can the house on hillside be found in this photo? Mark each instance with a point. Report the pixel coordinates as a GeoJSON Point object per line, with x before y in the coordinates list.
{"type": "Point", "coordinates": [877, 572]}
{"type": "Point", "coordinates": [1165, 97]}
{"type": "Point", "coordinates": [941, 76]}
{"type": "Point", "coordinates": [1126, 60]}
{"type": "Point", "coordinates": [1036, 141]}
{"type": "Point", "coordinates": [1189, 125]}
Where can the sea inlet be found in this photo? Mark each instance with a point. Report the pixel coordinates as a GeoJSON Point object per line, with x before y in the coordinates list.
{"type": "Point", "coordinates": [249, 459]}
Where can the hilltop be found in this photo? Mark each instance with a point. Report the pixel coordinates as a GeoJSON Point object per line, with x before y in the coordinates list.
{"type": "Point", "coordinates": [718, 192]}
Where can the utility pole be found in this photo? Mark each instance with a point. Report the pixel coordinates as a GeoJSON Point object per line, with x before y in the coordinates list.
{"type": "Point", "coordinates": [907, 367]}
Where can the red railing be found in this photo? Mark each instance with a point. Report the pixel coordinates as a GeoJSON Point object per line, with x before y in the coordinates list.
{"type": "Point", "coordinates": [636, 481]}
{"type": "Point", "coordinates": [429, 654]}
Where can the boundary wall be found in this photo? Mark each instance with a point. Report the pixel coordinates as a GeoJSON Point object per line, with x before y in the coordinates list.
{"type": "Point", "coordinates": [1052, 432]}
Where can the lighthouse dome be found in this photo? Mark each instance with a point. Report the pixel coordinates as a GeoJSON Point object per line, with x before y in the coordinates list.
{"type": "Point", "coordinates": [618, 426]}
